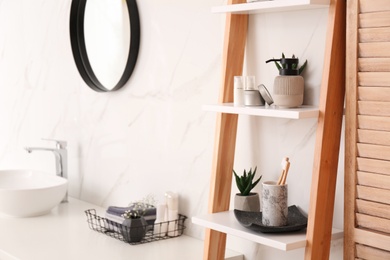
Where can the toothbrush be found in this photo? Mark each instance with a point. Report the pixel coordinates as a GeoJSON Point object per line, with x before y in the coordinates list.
{"type": "Point", "coordinates": [285, 168]}
{"type": "Point", "coordinates": [281, 176]}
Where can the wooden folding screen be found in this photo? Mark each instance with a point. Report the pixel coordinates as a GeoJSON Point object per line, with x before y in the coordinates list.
{"type": "Point", "coordinates": [367, 164]}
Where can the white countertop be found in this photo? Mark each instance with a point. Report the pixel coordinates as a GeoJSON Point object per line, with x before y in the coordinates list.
{"type": "Point", "coordinates": [63, 234]}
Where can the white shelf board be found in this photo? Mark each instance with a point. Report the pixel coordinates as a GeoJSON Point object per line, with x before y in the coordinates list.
{"type": "Point", "coordinates": [271, 6]}
{"type": "Point", "coordinates": [267, 111]}
{"type": "Point", "coordinates": [226, 222]}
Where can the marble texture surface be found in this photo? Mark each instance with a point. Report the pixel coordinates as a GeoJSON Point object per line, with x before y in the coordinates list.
{"type": "Point", "coordinates": [274, 200]}
{"type": "Point", "coordinates": [152, 135]}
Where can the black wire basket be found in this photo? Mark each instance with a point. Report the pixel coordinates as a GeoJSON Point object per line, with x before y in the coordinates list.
{"type": "Point", "coordinates": [154, 231]}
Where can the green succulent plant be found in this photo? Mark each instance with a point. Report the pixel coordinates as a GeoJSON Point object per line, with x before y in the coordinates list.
{"type": "Point", "coordinates": [245, 182]}
{"type": "Point", "coordinates": [294, 66]}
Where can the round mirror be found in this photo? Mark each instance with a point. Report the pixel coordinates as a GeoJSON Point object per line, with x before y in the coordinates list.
{"type": "Point", "coordinates": [105, 36]}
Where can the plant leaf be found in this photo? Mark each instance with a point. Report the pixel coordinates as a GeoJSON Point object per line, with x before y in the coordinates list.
{"type": "Point", "coordinates": [250, 177]}
{"type": "Point", "coordinates": [302, 68]}
{"type": "Point", "coordinates": [256, 182]}
{"type": "Point", "coordinates": [238, 181]}
{"type": "Point", "coordinates": [246, 191]}
{"type": "Point", "coordinates": [278, 65]}
{"type": "Point", "coordinates": [244, 182]}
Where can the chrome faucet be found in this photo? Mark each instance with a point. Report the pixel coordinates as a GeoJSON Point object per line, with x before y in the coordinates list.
{"type": "Point", "coordinates": [61, 156]}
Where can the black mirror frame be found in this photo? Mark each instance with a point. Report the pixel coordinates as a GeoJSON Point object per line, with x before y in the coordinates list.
{"type": "Point", "coordinates": [80, 53]}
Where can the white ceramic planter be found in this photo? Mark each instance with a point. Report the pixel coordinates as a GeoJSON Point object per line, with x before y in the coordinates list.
{"type": "Point", "coordinates": [288, 91]}
{"type": "Point", "coordinates": [247, 203]}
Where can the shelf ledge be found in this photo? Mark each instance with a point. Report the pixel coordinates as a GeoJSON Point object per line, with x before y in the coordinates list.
{"type": "Point", "coordinates": [226, 222]}
{"type": "Point", "coordinates": [266, 111]}
{"type": "Point", "coordinates": [271, 6]}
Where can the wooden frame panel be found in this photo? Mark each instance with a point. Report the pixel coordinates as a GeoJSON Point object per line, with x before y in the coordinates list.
{"type": "Point", "coordinates": [367, 6]}
{"type": "Point", "coordinates": [328, 136]}
{"type": "Point", "coordinates": [373, 137]}
{"type": "Point", "coordinates": [373, 180]}
{"type": "Point", "coordinates": [374, 122]}
{"type": "Point", "coordinates": [373, 223]}
{"type": "Point", "coordinates": [372, 239]}
{"type": "Point", "coordinates": [366, 252]}
{"type": "Point", "coordinates": [374, 93]}
{"type": "Point", "coordinates": [374, 49]}
{"type": "Point", "coordinates": [374, 64]}
{"type": "Point", "coordinates": [378, 79]}
{"type": "Point", "coordinates": [369, 20]}
{"type": "Point", "coordinates": [373, 208]}
{"type": "Point", "coordinates": [372, 165]}
{"type": "Point", "coordinates": [351, 124]}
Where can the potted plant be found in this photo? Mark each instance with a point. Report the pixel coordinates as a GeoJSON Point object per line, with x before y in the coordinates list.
{"type": "Point", "coordinates": [134, 226]}
{"type": "Point", "coordinates": [289, 85]}
{"type": "Point", "coordinates": [247, 200]}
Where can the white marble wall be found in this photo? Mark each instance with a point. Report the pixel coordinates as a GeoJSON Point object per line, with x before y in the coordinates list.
{"type": "Point", "coordinates": [152, 135]}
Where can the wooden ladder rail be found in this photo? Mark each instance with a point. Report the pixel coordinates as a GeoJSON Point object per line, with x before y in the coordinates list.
{"type": "Point", "coordinates": [226, 129]}
{"type": "Point", "coordinates": [327, 139]}
{"type": "Point", "coordinates": [326, 154]}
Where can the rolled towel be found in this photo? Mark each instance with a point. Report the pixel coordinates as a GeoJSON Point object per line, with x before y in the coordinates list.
{"type": "Point", "coordinates": [113, 222]}
{"type": "Point", "coordinates": [119, 211]}
{"type": "Point", "coordinates": [114, 213]}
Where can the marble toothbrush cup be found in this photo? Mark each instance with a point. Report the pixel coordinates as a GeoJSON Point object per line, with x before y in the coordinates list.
{"type": "Point", "coordinates": [274, 204]}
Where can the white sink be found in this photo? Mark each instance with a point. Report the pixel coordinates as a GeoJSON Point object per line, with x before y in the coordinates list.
{"type": "Point", "coordinates": [26, 193]}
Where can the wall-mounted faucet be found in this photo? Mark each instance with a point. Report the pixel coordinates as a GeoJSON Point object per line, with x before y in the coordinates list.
{"type": "Point", "coordinates": [61, 156]}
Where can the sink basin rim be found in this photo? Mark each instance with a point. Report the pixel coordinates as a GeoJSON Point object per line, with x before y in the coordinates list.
{"type": "Point", "coordinates": [7, 179]}
{"type": "Point", "coordinates": [29, 193]}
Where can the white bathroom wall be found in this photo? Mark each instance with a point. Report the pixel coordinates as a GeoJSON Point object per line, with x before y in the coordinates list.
{"type": "Point", "coordinates": [152, 135]}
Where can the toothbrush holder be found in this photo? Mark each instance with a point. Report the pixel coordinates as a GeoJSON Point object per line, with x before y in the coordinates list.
{"type": "Point", "coordinates": [274, 204]}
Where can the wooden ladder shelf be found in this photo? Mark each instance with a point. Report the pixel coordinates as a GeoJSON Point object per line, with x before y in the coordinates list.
{"type": "Point", "coordinates": [327, 137]}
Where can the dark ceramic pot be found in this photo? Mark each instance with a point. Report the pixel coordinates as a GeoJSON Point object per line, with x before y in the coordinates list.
{"type": "Point", "coordinates": [134, 229]}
